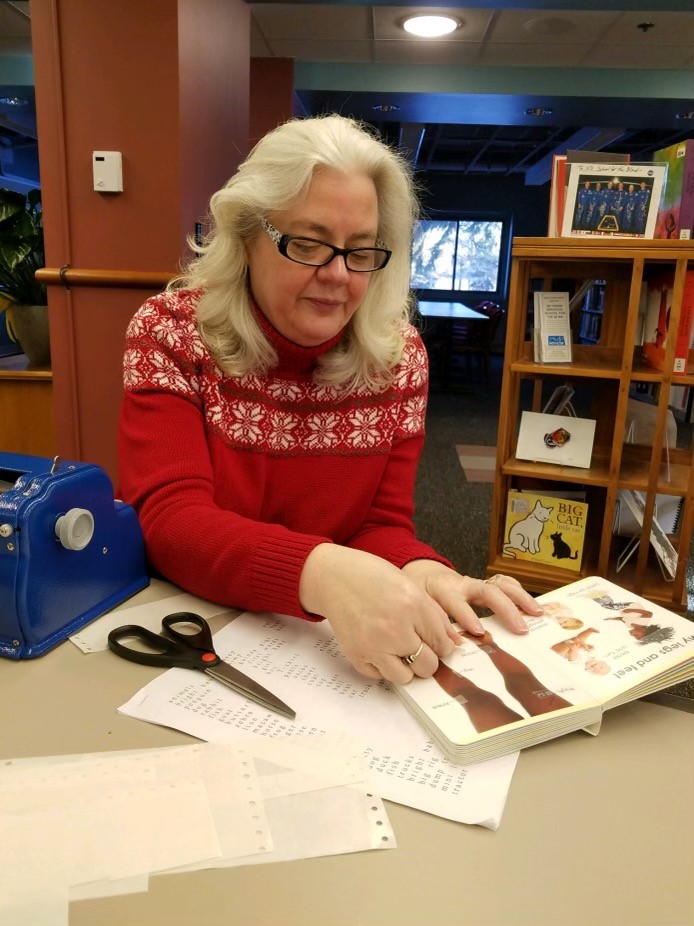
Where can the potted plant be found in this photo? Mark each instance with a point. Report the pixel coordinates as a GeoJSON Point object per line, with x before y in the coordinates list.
{"type": "Point", "coordinates": [22, 297]}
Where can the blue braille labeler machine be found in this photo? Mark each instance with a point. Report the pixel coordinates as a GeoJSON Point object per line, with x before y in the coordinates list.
{"type": "Point", "coordinates": [69, 551]}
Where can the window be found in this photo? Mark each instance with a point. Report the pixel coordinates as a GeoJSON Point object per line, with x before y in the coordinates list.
{"type": "Point", "coordinates": [451, 256]}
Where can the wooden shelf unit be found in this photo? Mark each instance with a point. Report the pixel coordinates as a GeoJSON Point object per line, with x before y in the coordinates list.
{"type": "Point", "coordinates": [607, 372]}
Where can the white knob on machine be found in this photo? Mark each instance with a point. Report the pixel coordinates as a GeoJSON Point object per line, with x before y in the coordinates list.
{"type": "Point", "coordinates": [75, 529]}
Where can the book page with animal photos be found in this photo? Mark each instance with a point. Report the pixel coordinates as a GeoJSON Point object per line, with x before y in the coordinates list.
{"type": "Point", "coordinates": [545, 529]}
{"type": "Point", "coordinates": [594, 647]}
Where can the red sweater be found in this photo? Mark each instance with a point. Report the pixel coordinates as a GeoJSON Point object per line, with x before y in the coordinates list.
{"type": "Point", "coordinates": [237, 479]}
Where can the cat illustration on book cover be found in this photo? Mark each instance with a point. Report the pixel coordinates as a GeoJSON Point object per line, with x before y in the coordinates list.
{"type": "Point", "coordinates": [561, 548]}
{"type": "Point", "coordinates": [525, 534]}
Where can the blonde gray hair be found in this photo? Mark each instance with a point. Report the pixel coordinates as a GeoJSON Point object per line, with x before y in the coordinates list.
{"type": "Point", "coordinates": [278, 170]}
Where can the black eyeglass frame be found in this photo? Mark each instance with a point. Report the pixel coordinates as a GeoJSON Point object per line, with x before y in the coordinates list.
{"type": "Point", "coordinates": [282, 241]}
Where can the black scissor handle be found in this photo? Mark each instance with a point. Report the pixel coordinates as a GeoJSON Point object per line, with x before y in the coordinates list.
{"type": "Point", "coordinates": [202, 640]}
{"type": "Point", "coordinates": [170, 652]}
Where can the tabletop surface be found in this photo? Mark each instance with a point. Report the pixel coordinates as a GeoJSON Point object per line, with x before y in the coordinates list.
{"type": "Point", "coordinates": [597, 831]}
{"type": "Point", "coordinates": [450, 310]}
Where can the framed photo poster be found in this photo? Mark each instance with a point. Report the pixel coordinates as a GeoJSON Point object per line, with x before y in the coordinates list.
{"type": "Point", "coordinates": [616, 200]}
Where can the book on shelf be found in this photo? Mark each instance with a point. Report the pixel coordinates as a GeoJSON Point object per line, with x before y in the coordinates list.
{"type": "Point", "coordinates": [552, 327]}
{"type": "Point", "coordinates": [595, 647]}
{"type": "Point", "coordinates": [656, 324]}
{"type": "Point", "coordinates": [559, 179]}
{"type": "Point", "coordinates": [676, 210]}
{"type": "Point", "coordinates": [668, 510]}
{"type": "Point", "coordinates": [545, 529]}
{"type": "Point", "coordinates": [664, 550]}
{"type": "Point", "coordinates": [557, 194]}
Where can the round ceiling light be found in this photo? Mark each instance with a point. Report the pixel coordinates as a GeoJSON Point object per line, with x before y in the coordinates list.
{"type": "Point", "coordinates": [430, 27]}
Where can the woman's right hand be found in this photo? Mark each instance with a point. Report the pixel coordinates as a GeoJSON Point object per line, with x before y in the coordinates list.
{"type": "Point", "coordinates": [378, 615]}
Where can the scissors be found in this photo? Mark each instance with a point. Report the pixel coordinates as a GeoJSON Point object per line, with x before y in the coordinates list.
{"type": "Point", "coordinates": [186, 650]}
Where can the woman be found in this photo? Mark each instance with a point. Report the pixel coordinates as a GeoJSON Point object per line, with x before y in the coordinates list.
{"type": "Point", "coordinates": [274, 408]}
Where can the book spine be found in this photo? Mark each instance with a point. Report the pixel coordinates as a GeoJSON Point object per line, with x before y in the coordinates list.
{"type": "Point", "coordinates": [684, 329]}
{"type": "Point", "coordinates": [686, 223]}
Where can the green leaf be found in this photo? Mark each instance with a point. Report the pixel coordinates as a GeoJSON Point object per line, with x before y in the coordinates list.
{"type": "Point", "coordinates": [21, 247]}
{"type": "Point", "coordinates": [8, 208]}
{"type": "Point", "coordinates": [11, 257]}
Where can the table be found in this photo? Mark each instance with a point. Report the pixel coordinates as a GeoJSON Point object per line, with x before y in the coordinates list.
{"type": "Point", "coordinates": [448, 313]}
{"type": "Point", "coordinates": [451, 310]}
{"type": "Point", "coordinates": [596, 830]}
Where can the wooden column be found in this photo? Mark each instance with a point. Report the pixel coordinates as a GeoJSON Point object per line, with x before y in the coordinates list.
{"type": "Point", "coordinates": [166, 83]}
{"type": "Point", "coordinates": [272, 96]}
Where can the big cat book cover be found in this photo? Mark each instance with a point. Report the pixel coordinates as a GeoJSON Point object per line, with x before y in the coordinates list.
{"type": "Point", "coordinates": [545, 529]}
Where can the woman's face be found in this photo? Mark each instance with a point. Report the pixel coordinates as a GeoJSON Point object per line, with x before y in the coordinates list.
{"type": "Point", "coordinates": [310, 305]}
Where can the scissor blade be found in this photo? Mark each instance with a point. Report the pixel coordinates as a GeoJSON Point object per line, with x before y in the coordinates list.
{"type": "Point", "coordinates": [244, 685]}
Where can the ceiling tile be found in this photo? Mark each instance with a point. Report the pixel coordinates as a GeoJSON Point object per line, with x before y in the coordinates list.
{"type": "Point", "coordinates": [388, 19]}
{"type": "Point", "coordinates": [668, 29]}
{"type": "Point", "coordinates": [322, 50]}
{"type": "Point", "coordinates": [429, 53]}
{"type": "Point", "coordinates": [631, 56]}
{"type": "Point", "coordinates": [556, 27]}
{"type": "Point", "coordinates": [312, 21]}
{"type": "Point", "coordinates": [532, 56]}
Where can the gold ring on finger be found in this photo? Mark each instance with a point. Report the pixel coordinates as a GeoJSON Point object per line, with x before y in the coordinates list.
{"type": "Point", "coordinates": [408, 660]}
{"type": "Point", "coordinates": [492, 580]}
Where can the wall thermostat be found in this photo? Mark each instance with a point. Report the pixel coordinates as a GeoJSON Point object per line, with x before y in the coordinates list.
{"type": "Point", "coordinates": [108, 171]}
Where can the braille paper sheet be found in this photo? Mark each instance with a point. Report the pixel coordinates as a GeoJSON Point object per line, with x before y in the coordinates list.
{"type": "Point", "coordinates": [93, 638]}
{"type": "Point", "coordinates": [73, 820]}
{"type": "Point", "coordinates": [302, 664]}
{"type": "Point", "coordinates": [96, 825]}
{"type": "Point", "coordinates": [315, 800]}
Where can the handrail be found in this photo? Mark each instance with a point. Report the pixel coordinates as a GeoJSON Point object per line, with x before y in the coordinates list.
{"type": "Point", "coordinates": [136, 279]}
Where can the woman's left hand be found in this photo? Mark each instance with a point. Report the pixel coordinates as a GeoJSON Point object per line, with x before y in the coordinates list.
{"type": "Point", "coordinates": [456, 594]}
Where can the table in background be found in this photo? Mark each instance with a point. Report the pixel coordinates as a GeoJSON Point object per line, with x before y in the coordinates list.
{"type": "Point", "coordinates": [447, 314]}
{"type": "Point", "coordinates": [596, 830]}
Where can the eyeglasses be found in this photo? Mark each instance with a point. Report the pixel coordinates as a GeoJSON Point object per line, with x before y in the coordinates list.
{"type": "Point", "coordinates": [316, 253]}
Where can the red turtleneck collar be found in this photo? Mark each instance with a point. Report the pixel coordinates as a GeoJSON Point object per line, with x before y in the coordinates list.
{"type": "Point", "coordinates": [293, 359]}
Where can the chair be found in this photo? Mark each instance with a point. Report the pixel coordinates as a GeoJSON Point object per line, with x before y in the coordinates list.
{"type": "Point", "coordinates": [473, 339]}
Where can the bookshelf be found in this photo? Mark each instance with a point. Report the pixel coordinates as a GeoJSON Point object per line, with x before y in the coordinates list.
{"type": "Point", "coordinates": [606, 375]}
{"type": "Point", "coordinates": [590, 315]}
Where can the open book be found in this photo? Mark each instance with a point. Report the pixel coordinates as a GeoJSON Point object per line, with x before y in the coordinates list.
{"type": "Point", "coordinates": [595, 647]}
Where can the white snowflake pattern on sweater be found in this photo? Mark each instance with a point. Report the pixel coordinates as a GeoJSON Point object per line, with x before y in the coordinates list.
{"type": "Point", "coordinates": [164, 352]}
